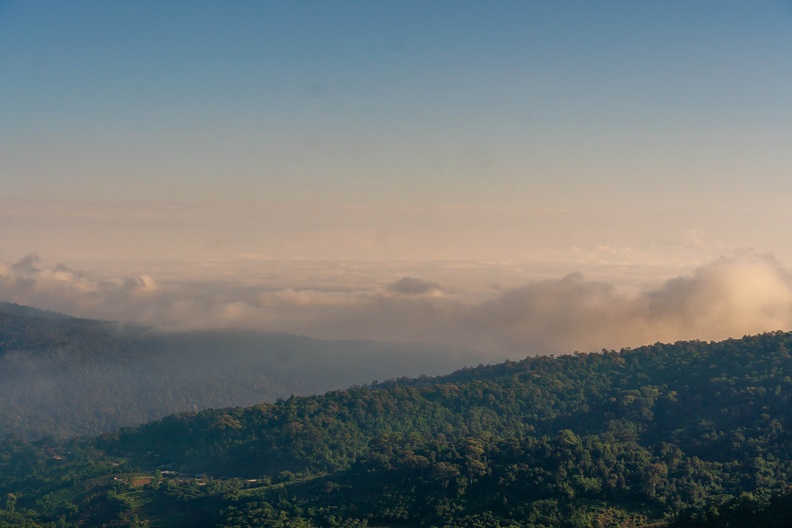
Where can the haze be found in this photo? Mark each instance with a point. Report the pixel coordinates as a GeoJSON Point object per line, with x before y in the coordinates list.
{"type": "Point", "coordinates": [517, 177]}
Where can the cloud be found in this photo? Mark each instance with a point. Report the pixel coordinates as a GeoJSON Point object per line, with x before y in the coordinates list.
{"type": "Point", "coordinates": [412, 286]}
{"type": "Point", "coordinates": [742, 294]}
{"type": "Point", "coordinates": [729, 297]}
{"type": "Point", "coordinates": [27, 264]}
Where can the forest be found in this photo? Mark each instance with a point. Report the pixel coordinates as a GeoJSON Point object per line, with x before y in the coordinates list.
{"type": "Point", "coordinates": [667, 435]}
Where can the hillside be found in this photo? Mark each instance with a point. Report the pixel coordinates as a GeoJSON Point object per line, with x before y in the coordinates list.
{"type": "Point", "coordinates": [685, 434]}
{"type": "Point", "coordinates": [66, 376]}
{"type": "Point", "coordinates": [29, 311]}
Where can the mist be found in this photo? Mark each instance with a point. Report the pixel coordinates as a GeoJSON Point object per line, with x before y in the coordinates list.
{"type": "Point", "coordinates": [729, 297]}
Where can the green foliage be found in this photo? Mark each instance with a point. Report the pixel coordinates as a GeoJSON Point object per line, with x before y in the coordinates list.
{"type": "Point", "coordinates": [689, 434]}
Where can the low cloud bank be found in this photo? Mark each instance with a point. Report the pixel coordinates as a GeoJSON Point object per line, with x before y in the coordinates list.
{"type": "Point", "coordinates": [730, 297]}
{"type": "Point", "coordinates": [412, 286]}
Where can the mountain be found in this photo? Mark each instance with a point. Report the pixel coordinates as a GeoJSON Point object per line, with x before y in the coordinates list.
{"type": "Point", "coordinates": [683, 434]}
{"type": "Point", "coordinates": [28, 311]}
{"type": "Point", "coordinates": [66, 376]}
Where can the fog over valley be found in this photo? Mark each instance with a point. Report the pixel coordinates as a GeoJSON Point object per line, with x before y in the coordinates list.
{"type": "Point", "coordinates": [65, 376]}
{"type": "Point", "coordinates": [115, 348]}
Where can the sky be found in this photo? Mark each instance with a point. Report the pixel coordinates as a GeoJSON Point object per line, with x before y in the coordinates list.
{"type": "Point", "coordinates": [263, 163]}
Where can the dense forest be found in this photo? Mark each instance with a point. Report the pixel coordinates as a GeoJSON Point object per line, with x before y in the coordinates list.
{"type": "Point", "coordinates": [690, 434]}
{"type": "Point", "coordinates": [64, 376]}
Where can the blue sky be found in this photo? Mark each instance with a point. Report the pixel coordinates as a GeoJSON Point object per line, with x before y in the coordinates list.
{"type": "Point", "coordinates": [364, 101]}
{"type": "Point", "coordinates": [475, 145]}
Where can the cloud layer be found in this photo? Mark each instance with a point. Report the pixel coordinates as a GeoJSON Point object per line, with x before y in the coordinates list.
{"type": "Point", "coordinates": [730, 297]}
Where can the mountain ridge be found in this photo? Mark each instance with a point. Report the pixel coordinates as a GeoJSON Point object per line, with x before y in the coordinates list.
{"type": "Point", "coordinates": [68, 376]}
{"type": "Point", "coordinates": [28, 311]}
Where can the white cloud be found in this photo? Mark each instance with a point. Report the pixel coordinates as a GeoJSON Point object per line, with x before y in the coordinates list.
{"type": "Point", "coordinates": [730, 297]}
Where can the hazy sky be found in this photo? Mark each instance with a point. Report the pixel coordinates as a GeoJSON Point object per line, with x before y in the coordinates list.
{"type": "Point", "coordinates": [634, 142]}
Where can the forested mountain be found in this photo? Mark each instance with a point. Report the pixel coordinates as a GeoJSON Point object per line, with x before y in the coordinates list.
{"type": "Point", "coordinates": [685, 434]}
{"type": "Point", "coordinates": [64, 376]}
{"type": "Point", "coordinates": [28, 311]}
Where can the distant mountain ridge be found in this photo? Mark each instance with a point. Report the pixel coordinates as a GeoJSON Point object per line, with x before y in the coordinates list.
{"type": "Point", "coordinates": [27, 311]}
{"type": "Point", "coordinates": [65, 376]}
